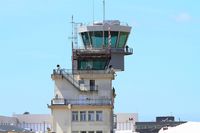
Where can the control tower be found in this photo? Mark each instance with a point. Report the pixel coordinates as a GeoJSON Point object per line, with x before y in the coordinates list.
{"type": "Point", "coordinates": [84, 96]}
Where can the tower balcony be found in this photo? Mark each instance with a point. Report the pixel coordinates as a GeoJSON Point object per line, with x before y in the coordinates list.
{"type": "Point", "coordinates": [100, 52]}
{"type": "Point", "coordinates": [125, 51]}
{"type": "Point", "coordinates": [71, 74]}
{"type": "Point", "coordinates": [83, 102]}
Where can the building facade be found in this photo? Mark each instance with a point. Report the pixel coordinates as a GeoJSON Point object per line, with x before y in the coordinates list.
{"type": "Point", "coordinates": [84, 96]}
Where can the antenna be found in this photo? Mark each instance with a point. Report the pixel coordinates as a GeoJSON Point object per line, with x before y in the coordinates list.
{"type": "Point", "coordinates": [103, 20]}
{"type": "Point", "coordinates": [72, 37]}
{"type": "Point", "coordinates": [93, 10]}
{"type": "Point", "coordinates": [104, 10]}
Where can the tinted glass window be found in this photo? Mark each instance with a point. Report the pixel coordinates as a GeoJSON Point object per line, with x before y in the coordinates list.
{"type": "Point", "coordinates": [85, 38]}
{"type": "Point", "coordinates": [122, 39]}
{"type": "Point", "coordinates": [96, 39]}
{"type": "Point", "coordinates": [113, 40]}
{"type": "Point", "coordinates": [98, 64]}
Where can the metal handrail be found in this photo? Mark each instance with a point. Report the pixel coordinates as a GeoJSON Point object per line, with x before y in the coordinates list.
{"type": "Point", "coordinates": [68, 74]}
{"type": "Point", "coordinates": [128, 50]}
{"type": "Point", "coordinates": [70, 78]}
{"type": "Point", "coordinates": [71, 72]}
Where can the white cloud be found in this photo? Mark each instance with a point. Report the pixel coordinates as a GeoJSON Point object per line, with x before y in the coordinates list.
{"type": "Point", "coordinates": [183, 17]}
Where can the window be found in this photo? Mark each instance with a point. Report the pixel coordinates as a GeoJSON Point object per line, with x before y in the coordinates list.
{"type": "Point", "coordinates": [83, 116]}
{"type": "Point", "coordinates": [85, 38]}
{"type": "Point", "coordinates": [99, 132]}
{"type": "Point", "coordinates": [89, 64]}
{"type": "Point", "coordinates": [114, 36]}
{"type": "Point", "coordinates": [92, 85]}
{"type": "Point", "coordinates": [99, 116]}
{"type": "Point", "coordinates": [90, 115]}
{"type": "Point", "coordinates": [90, 131]}
{"type": "Point", "coordinates": [122, 39]}
{"type": "Point", "coordinates": [96, 39]}
{"type": "Point", "coordinates": [83, 131]}
{"type": "Point", "coordinates": [74, 115]}
{"type": "Point", "coordinates": [74, 131]}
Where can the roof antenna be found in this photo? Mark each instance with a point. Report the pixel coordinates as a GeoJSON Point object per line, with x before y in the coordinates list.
{"type": "Point", "coordinates": [103, 10]}
{"type": "Point", "coordinates": [93, 11]}
{"type": "Point", "coordinates": [72, 37]}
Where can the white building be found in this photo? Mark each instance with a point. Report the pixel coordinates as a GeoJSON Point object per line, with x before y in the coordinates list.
{"type": "Point", "coordinates": [189, 127]}
{"type": "Point", "coordinates": [84, 96]}
{"type": "Point", "coordinates": [34, 122]}
{"type": "Point", "coordinates": [126, 121]}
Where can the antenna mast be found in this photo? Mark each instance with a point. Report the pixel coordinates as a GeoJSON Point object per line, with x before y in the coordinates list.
{"type": "Point", "coordinates": [72, 37]}
{"type": "Point", "coordinates": [104, 10]}
{"type": "Point", "coordinates": [72, 44]}
{"type": "Point", "coordinates": [93, 10]}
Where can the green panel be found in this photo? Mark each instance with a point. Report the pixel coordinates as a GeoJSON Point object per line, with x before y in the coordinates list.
{"type": "Point", "coordinates": [114, 36]}
{"type": "Point", "coordinates": [96, 39]}
{"type": "Point", "coordinates": [122, 39]}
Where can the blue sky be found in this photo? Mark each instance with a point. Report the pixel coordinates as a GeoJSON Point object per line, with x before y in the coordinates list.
{"type": "Point", "coordinates": [161, 78]}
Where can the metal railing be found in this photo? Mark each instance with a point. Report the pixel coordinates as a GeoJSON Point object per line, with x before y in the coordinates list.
{"type": "Point", "coordinates": [92, 49]}
{"type": "Point", "coordinates": [72, 72]}
{"type": "Point", "coordinates": [128, 50]}
{"type": "Point", "coordinates": [70, 78]}
{"type": "Point", "coordinates": [67, 74]}
{"type": "Point", "coordinates": [125, 50]}
{"type": "Point", "coordinates": [62, 101]}
{"type": "Point", "coordinates": [58, 101]}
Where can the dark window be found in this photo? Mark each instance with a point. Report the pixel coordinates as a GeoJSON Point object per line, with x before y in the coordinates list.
{"type": "Point", "coordinates": [99, 132]}
{"type": "Point", "coordinates": [92, 84]}
{"type": "Point", "coordinates": [85, 38]}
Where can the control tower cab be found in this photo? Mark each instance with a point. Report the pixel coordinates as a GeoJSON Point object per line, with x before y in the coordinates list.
{"type": "Point", "coordinates": [104, 46]}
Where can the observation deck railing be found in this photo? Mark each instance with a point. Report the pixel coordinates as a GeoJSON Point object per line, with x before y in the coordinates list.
{"type": "Point", "coordinates": [125, 50]}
